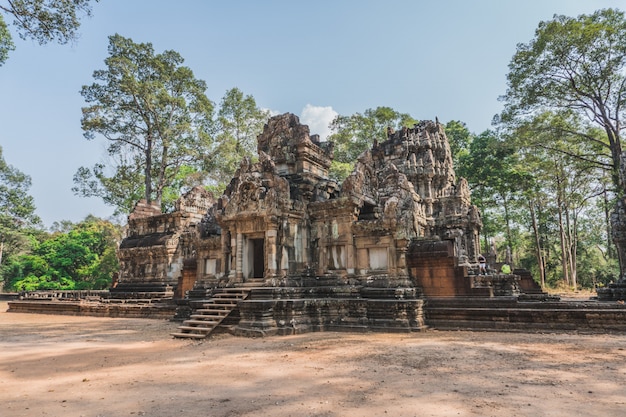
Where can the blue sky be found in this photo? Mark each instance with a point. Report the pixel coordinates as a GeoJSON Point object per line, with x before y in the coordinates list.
{"type": "Point", "coordinates": [444, 58]}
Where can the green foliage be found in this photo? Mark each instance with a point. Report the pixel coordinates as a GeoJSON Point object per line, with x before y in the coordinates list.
{"type": "Point", "coordinates": [6, 43]}
{"type": "Point", "coordinates": [339, 171]}
{"type": "Point", "coordinates": [157, 118]}
{"type": "Point", "coordinates": [15, 203]}
{"type": "Point", "coordinates": [84, 257]}
{"type": "Point", "coordinates": [17, 211]}
{"type": "Point", "coordinates": [564, 135]}
{"type": "Point", "coordinates": [460, 139]}
{"type": "Point", "coordinates": [187, 177]}
{"type": "Point", "coordinates": [42, 20]}
{"type": "Point", "coordinates": [497, 179]}
{"type": "Point", "coordinates": [564, 108]}
{"type": "Point", "coordinates": [163, 137]}
{"type": "Point", "coordinates": [569, 181]}
{"type": "Point", "coordinates": [575, 65]}
{"type": "Point", "coordinates": [121, 188]}
{"type": "Point", "coordinates": [355, 134]}
{"type": "Point", "coordinates": [239, 122]}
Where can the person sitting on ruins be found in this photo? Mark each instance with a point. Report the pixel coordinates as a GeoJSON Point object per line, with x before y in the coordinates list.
{"type": "Point", "coordinates": [482, 265]}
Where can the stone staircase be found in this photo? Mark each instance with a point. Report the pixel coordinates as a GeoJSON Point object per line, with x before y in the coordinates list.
{"type": "Point", "coordinates": [212, 313]}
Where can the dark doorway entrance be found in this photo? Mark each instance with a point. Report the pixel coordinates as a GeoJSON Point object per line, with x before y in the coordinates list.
{"type": "Point", "coordinates": [258, 258]}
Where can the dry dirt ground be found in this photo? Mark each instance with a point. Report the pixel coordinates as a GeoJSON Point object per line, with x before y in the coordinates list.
{"type": "Point", "coordinates": [86, 366]}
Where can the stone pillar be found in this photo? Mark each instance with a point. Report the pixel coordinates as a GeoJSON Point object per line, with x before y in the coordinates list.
{"type": "Point", "coordinates": [362, 260]}
{"type": "Point", "coordinates": [401, 249]}
{"type": "Point", "coordinates": [322, 260]}
{"type": "Point", "coordinates": [429, 197]}
{"type": "Point", "coordinates": [392, 262]}
{"type": "Point", "coordinates": [232, 259]}
{"type": "Point", "coordinates": [270, 250]}
{"type": "Point", "coordinates": [350, 256]}
{"type": "Point", "coordinates": [239, 258]}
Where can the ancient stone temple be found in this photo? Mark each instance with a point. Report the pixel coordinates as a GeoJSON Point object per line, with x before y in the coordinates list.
{"type": "Point", "coordinates": [158, 247]}
{"type": "Point", "coordinates": [313, 254]}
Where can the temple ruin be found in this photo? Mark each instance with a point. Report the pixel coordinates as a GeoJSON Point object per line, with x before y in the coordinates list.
{"type": "Point", "coordinates": [286, 249]}
{"type": "Point", "coordinates": [295, 251]}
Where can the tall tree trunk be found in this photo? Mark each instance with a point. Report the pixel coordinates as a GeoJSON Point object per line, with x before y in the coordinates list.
{"type": "Point", "coordinates": [571, 247]}
{"type": "Point", "coordinates": [162, 172]}
{"type": "Point", "coordinates": [148, 170]}
{"type": "Point", "coordinates": [507, 220]}
{"type": "Point", "coordinates": [616, 152]}
{"type": "Point", "coordinates": [542, 271]}
{"type": "Point", "coordinates": [564, 251]}
{"type": "Point", "coordinates": [610, 253]}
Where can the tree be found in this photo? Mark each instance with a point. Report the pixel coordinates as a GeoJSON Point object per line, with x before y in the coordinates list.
{"type": "Point", "coordinates": [577, 66]}
{"type": "Point", "coordinates": [17, 209]}
{"type": "Point", "coordinates": [460, 139]}
{"type": "Point", "coordinates": [156, 116]}
{"type": "Point", "coordinates": [574, 65]}
{"type": "Point", "coordinates": [239, 121]}
{"type": "Point", "coordinates": [496, 177]}
{"type": "Point", "coordinates": [119, 181]}
{"type": "Point", "coordinates": [42, 20]}
{"type": "Point", "coordinates": [82, 257]}
{"type": "Point", "coordinates": [6, 43]}
{"type": "Point", "coordinates": [355, 134]}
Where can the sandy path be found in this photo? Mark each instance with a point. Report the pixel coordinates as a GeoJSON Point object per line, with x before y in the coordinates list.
{"type": "Point", "coordinates": [86, 366]}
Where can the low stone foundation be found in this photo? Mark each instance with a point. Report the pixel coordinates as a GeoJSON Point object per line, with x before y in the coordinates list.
{"type": "Point", "coordinates": [283, 317]}
{"type": "Point", "coordinates": [515, 315]}
{"type": "Point", "coordinates": [94, 308]}
{"type": "Point", "coordinates": [148, 291]}
{"type": "Point", "coordinates": [613, 292]}
{"type": "Point", "coordinates": [293, 310]}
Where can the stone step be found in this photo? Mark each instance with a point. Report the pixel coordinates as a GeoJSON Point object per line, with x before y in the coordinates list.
{"type": "Point", "coordinates": [212, 321]}
{"type": "Point", "coordinates": [251, 284]}
{"type": "Point", "coordinates": [222, 303]}
{"type": "Point", "coordinates": [214, 316]}
{"type": "Point", "coordinates": [212, 310]}
{"type": "Point", "coordinates": [237, 294]}
{"type": "Point", "coordinates": [188, 335]}
{"type": "Point", "coordinates": [195, 330]}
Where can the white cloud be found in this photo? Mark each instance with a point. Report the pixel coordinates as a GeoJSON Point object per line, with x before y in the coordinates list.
{"type": "Point", "coordinates": [318, 118]}
{"type": "Point", "coordinates": [272, 112]}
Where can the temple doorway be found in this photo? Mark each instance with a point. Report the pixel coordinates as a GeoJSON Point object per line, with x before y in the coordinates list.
{"type": "Point", "coordinates": [187, 278]}
{"type": "Point", "coordinates": [256, 258]}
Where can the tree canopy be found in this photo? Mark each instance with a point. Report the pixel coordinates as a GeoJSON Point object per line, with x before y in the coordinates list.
{"type": "Point", "coordinates": [82, 257]}
{"type": "Point", "coordinates": [574, 65]}
{"type": "Point", "coordinates": [355, 134]}
{"type": "Point", "coordinates": [157, 118]}
{"type": "Point", "coordinates": [564, 108]}
{"type": "Point", "coordinates": [17, 209]}
{"type": "Point", "coordinates": [239, 122]}
{"type": "Point", "coordinates": [42, 20]}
